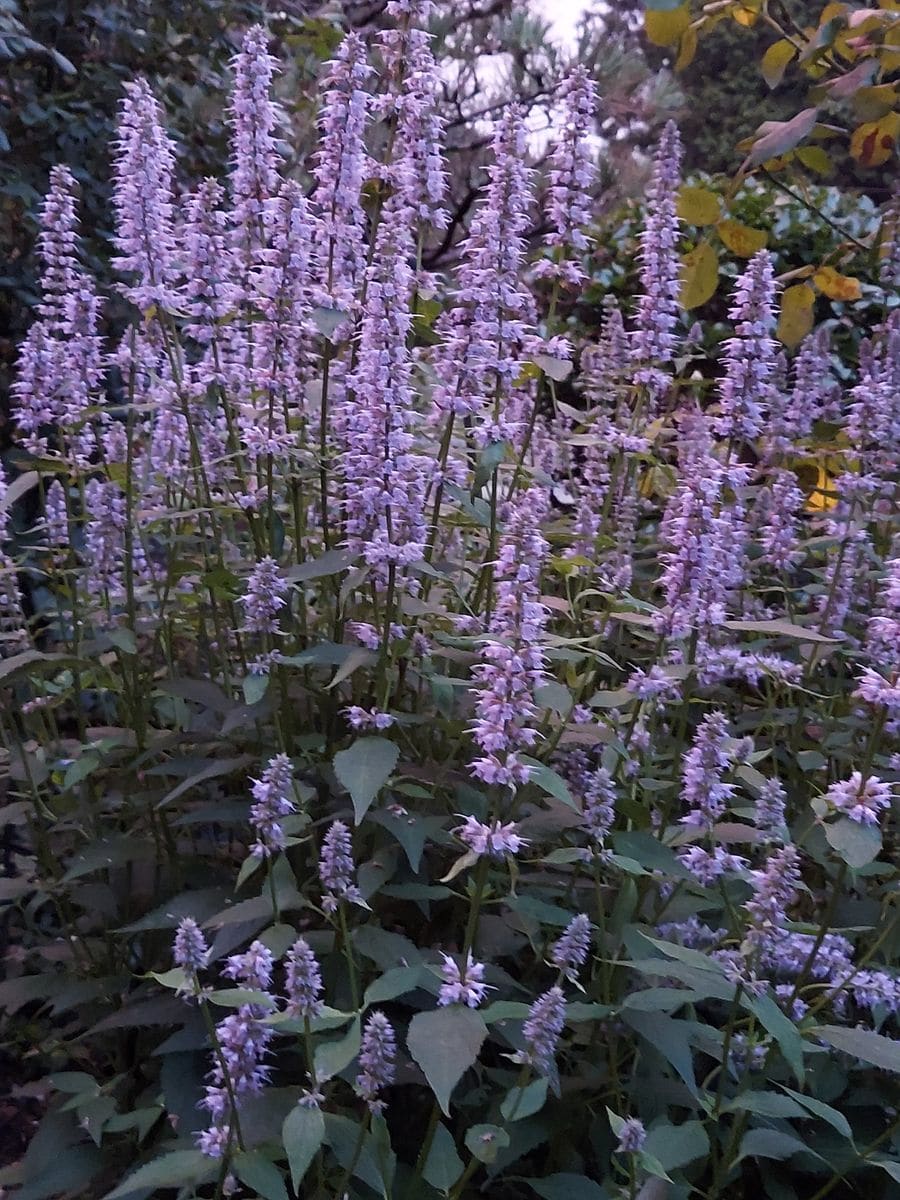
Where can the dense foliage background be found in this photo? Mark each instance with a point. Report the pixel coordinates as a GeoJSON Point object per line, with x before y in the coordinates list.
{"type": "Point", "coordinates": [450, 603]}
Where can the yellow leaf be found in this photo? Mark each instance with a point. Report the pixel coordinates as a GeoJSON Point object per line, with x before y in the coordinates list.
{"type": "Point", "coordinates": [775, 61]}
{"type": "Point", "coordinates": [698, 206]}
{"type": "Point", "coordinates": [872, 144]}
{"type": "Point", "coordinates": [890, 5]}
{"type": "Point", "coordinates": [665, 28]}
{"type": "Point", "coordinates": [746, 14]}
{"type": "Point", "coordinates": [699, 275]}
{"type": "Point", "coordinates": [831, 11]}
{"type": "Point", "coordinates": [873, 103]}
{"type": "Point", "coordinates": [823, 495]}
{"type": "Point", "coordinates": [687, 49]}
{"type": "Point", "coordinates": [796, 314]}
{"type": "Point", "coordinates": [836, 286]}
{"type": "Point", "coordinates": [816, 159]}
{"type": "Point", "coordinates": [741, 239]}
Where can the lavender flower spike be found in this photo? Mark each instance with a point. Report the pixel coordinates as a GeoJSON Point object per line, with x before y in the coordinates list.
{"type": "Point", "coordinates": [571, 950]}
{"type": "Point", "coordinates": [189, 949]}
{"type": "Point", "coordinates": [861, 799]}
{"type": "Point", "coordinates": [273, 796]}
{"type": "Point", "coordinates": [303, 982]}
{"type": "Point", "coordinates": [747, 392]}
{"type": "Point", "coordinates": [655, 342]}
{"type": "Point", "coordinates": [542, 1028]}
{"type": "Point", "coordinates": [632, 1136]}
{"type": "Point", "coordinates": [376, 1060]}
{"type": "Point", "coordinates": [264, 598]}
{"type": "Point", "coordinates": [462, 985]}
{"type": "Point", "coordinates": [336, 868]}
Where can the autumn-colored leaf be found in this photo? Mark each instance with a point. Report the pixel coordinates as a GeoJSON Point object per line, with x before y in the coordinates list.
{"type": "Point", "coordinates": [742, 239]}
{"type": "Point", "coordinates": [775, 61]}
{"type": "Point", "coordinates": [837, 286]}
{"type": "Point", "coordinates": [687, 49]}
{"type": "Point", "coordinates": [777, 137]}
{"type": "Point", "coordinates": [796, 314]}
{"type": "Point", "coordinates": [699, 275]}
{"type": "Point", "coordinates": [815, 159]}
{"type": "Point", "coordinates": [664, 28]}
{"type": "Point", "coordinates": [698, 206]}
{"type": "Point", "coordinates": [873, 142]}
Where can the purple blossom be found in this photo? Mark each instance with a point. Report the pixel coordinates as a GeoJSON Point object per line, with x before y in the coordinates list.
{"type": "Point", "coordinates": [243, 1042]}
{"type": "Point", "coordinates": [189, 949]}
{"type": "Point", "coordinates": [654, 341]}
{"type": "Point", "coordinates": [56, 517]}
{"type": "Point", "coordinates": [376, 1060]}
{"type": "Point", "coordinates": [746, 392]}
{"type": "Point", "coordinates": [253, 968]}
{"type": "Point", "coordinates": [462, 985]}
{"type": "Point", "coordinates": [384, 476]}
{"type": "Point", "coordinates": [632, 1135]}
{"type": "Point", "coordinates": [705, 561]}
{"type": "Point", "coordinates": [599, 806]}
{"type": "Point", "coordinates": [879, 683]}
{"type": "Point", "coordinates": [704, 792]}
{"type": "Point", "coordinates": [494, 840]}
{"type": "Point", "coordinates": [811, 394]}
{"type": "Point", "coordinates": [368, 718]}
{"type": "Point", "coordinates": [340, 169]}
{"type": "Point", "coordinates": [876, 989]}
{"type": "Point", "coordinates": [273, 799]}
{"type": "Point", "coordinates": [861, 799]}
{"type": "Point", "coordinates": [512, 661]}
{"type": "Point", "coordinates": [769, 814]}
{"type": "Point", "coordinates": [781, 505]}
{"type": "Point", "coordinates": [541, 1031]}
{"type": "Point", "coordinates": [336, 868]}
{"type": "Point", "coordinates": [209, 290]}
{"type": "Point", "coordinates": [142, 197]}
{"type": "Point", "coordinates": [264, 597]}
{"type": "Point", "coordinates": [774, 890]}
{"type": "Point", "coordinates": [303, 982]}
{"type": "Point", "coordinates": [842, 572]}
{"type": "Point", "coordinates": [572, 177]}
{"type": "Point", "coordinates": [489, 315]}
{"type": "Point", "coordinates": [254, 120]}
{"type": "Point", "coordinates": [571, 950]}
{"type": "Point", "coordinates": [709, 864]}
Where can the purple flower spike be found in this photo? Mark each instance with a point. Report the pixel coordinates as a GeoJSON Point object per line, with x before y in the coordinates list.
{"type": "Point", "coordinates": [336, 868]}
{"type": "Point", "coordinates": [747, 393]}
{"type": "Point", "coordinates": [632, 1136]}
{"type": "Point", "coordinates": [544, 1024]}
{"type": "Point", "coordinates": [303, 982]}
{"type": "Point", "coordinates": [570, 951]}
{"type": "Point", "coordinates": [189, 949]}
{"type": "Point", "coordinates": [273, 799]}
{"type": "Point", "coordinates": [376, 1060]}
{"type": "Point", "coordinates": [462, 985]}
{"type": "Point", "coordinates": [265, 596]}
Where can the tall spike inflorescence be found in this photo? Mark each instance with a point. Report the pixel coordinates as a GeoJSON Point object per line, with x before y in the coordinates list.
{"type": "Point", "coordinates": [655, 341]}
{"type": "Point", "coordinates": [746, 392]}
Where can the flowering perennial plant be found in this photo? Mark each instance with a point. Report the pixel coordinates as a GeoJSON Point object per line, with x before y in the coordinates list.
{"type": "Point", "coordinates": [428, 722]}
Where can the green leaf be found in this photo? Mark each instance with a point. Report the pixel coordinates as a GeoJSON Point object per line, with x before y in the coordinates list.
{"type": "Point", "coordinates": [771, 1143]}
{"type": "Point", "coordinates": [364, 769]}
{"type": "Point", "coordinates": [777, 628]}
{"type": "Point", "coordinates": [443, 1166]}
{"type": "Point", "coordinates": [559, 369]}
{"type": "Point", "coordinates": [857, 844]}
{"type": "Point", "coordinates": [261, 1175]}
{"type": "Point", "coordinates": [396, 982]}
{"type": "Point", "coordinates": [891, 1165]}
{"type": "Point", "coordinates": [549, 781]}
{"type": "Point", "coordinates": [775, 61]}
{"type": "Point", "coordinates": [485, 1142]}
{"type": "Point", "coordinates": [835, 1119]}
{"type": "Point", "coordinates": [303, 1133]}
{"type": "Point", "coordinates": [782, 1029]}
{"type": "Point", "coordinates": [521, 1102]}
{"type": "Point", "coordinates": [568, 1187]}
{"type": "Point", "coordinates": [254, 688]}
{"type": "Point", "coordinates": [698, 206]}
{"type": "Point", "coordinates": [863, 1043]}
{"type": "Point", "coordinates": [677, 1145]}
{"type": "Point", "coordinates": [181, 1168]}
{"type": "Point", "coordinates": [767, 1104]}
{"type": "Point", "coordinates": [332, 1057]}
{"type": "Point", "coordinates": [328, 321]}
{"type": "Point", "coordinates": [670, 1038]}
{"type": "Point", "coordinates": [445, 1043]}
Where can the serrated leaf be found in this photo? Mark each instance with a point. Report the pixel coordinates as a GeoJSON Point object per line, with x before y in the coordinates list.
{"type": "Point", "coordinates": [549, 781]}
{"type": "Point", "coordinates": [522, 1102]}
{"type": "Point", "coordinates": [445, 1044]}
{"type": "Point", "coordinates": [699, 275]}
{"type": "Point", "coordinates": [567, 1187]}
{"type": "Point", "coordinates": [261, 1175]}
{"type": "Point", "coordinates": [443, 1166]}
{"type": "Point", "coordinates": [364, 769]}
{"type": "Point", "coordinates": [302, 1134]}
{"type": "Point", "coordinates": [675, 1146]}
{"type": "Point", "coordinates": [871, 1047]}
{"type": "Point", "coordinates": [857, 844]}
{"type": "Point", "coordinates": [824, 1111]}
{"type": "Point", "coordinates": [771, 1143]}
{"type": "Point", "coordinates": [742, 239]}
{"type": "Point", "coordinates": [179, 1169]}
{"type": "Point", "coordinates": [333, 1057]}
